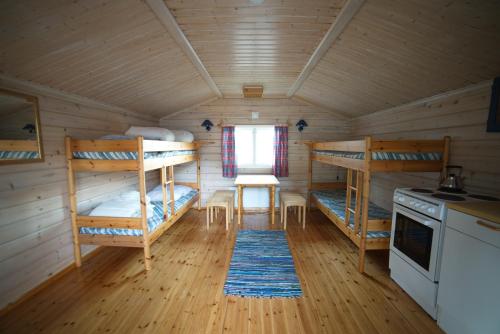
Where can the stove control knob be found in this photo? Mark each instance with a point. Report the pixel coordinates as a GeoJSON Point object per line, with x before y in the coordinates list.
{"type": "Point", "coordinates": [401, 199]}
{"type": "Point", "coordinates": [423, 206]}
{"type": "Point", "coordinates": [431, 210]}
{"type": "Point", "coordinates": [417, 205]}
{"type": "Point", "coordinates": [412, 203]}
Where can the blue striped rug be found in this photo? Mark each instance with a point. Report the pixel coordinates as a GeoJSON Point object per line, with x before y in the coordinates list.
{"type": "Point", "coordinates": [262, 266]}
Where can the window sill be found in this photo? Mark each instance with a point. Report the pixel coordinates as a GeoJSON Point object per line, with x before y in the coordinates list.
{"type": "Point", "coordinates": [258, 171]}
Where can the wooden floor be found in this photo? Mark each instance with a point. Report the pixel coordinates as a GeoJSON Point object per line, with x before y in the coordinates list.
{"type": "Point", "coordinates": [183, 293]}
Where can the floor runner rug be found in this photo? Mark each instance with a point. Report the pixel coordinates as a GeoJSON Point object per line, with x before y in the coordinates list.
{"type": "Point", "coordinates": [262, 266]}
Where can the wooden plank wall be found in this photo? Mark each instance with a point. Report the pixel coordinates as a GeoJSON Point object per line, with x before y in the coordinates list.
{"type": "Point", "coordinates": [460, 114]}
{"type": "Point", "coordinates": [322, 126]}
{"type": "Point", "coordinates": [35, 229]}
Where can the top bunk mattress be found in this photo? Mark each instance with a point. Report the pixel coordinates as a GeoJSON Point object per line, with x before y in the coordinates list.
{"type": "Point", "coordinates": [436, 156]}
{"type": "Point", "coordinates": [129, 155]}
{"type": "Point", "coordinates": [335, 200]}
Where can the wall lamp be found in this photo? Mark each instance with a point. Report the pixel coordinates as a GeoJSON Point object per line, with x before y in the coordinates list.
{"type": "Point", "coordinates": [207, 124]}
{"type": "Point", "coordinates": [301, 125]}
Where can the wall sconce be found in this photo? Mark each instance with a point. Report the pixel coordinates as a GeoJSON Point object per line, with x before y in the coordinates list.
{"type": "Point", "coordinates": [30, 128]}
{"type": "Point", "coordinates": [301, 125]}
{"type": "Point", "coordinates": [207, 124]}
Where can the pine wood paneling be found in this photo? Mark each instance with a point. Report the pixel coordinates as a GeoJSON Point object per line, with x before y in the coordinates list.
{"type": "Point", "coordinates": [397, 51]}
{"type": "Point", "coordinates": [322, 126]}
{"type": "Point", "coordinates": [112, 51]}
{"type": "Point", "coordinates": [35, 230]}
{"type": "Point", "coordinates": [240, 43]}
{"type": "Point", "coordinates": [461, 115]}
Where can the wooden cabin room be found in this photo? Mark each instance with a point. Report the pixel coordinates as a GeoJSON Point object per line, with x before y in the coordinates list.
{"type": "Point", "coordinates": [250, 166]}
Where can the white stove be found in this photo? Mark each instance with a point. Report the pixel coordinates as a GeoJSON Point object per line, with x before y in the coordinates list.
{"type": "Point", "coordinates": [418, 225]}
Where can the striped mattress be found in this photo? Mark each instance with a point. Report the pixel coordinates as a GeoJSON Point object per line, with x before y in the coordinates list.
{"type": "Point", "coordinates": [16, 155]}
{"type": "Point", "coordinates": [335, 200]}
{"type": "Point", "coordinates": [383, 155]}
{"type": "Point", "coordinates": [153, 222]}
{"type": "Point", "coordinates": [129, 155]}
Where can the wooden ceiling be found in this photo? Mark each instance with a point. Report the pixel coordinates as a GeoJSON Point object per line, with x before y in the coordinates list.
{"type": "Point", "coordinates": [111, 51]}
{"type": "Point", "coordinates": [243, 43]}
{"type": "Point", "coordinates": [118, 51]}
{"type": "Point", "coordinates": [397, 51]}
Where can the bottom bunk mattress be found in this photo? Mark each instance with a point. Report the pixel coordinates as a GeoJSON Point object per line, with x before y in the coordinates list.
{"type": "Point", "coordinates": [335, 200]}
{"type": "Point", "coordinates": [153, 222]}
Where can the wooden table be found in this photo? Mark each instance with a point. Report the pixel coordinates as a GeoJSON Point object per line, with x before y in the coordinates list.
{"type": "Point", "coordinates": [256, 181]}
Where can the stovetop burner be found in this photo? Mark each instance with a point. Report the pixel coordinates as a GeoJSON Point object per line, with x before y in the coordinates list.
{"type": "Point", "coordinates": [452, 191]}
{"type": "Point", "coordinates": [420, 190]}
{"type": "Point", "coordinates": [448, 197]}
{"type": "Point", "coordinates": [485, 197]}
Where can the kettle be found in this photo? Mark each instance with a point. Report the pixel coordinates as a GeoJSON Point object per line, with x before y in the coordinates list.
{"type": "Point", "coordinates": [453, 179]}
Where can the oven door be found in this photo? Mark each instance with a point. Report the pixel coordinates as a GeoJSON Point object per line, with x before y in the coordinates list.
{"type": "Point", "coordinates": [415, 238]}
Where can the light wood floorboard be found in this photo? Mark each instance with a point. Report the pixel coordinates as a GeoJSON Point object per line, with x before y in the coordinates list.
{"type": "Point", "coordinates": [183, 293]}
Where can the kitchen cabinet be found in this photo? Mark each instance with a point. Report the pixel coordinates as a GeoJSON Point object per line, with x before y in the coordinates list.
{"type": "Point", "coordinates": [469, 289]}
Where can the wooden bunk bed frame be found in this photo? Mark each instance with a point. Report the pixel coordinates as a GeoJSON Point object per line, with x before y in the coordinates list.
{"type": "Point", "coordinates": [141, 166]}
{"type": "Point", "coordinates": [363, 169]}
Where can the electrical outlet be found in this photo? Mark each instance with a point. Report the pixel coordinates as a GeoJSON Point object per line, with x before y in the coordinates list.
{"type": "Point", "coordinates": [255, 115]}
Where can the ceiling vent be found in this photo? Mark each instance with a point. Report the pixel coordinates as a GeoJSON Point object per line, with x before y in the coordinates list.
{"type": "Point", "coordinates": [253, 91]}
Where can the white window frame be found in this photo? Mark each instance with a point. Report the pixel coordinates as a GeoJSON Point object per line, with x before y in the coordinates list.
{"type": "Point", "coordinates": [254, 168]}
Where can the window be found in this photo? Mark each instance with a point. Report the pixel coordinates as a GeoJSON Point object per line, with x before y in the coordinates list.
{"type": "Point", "coordinates": [254, 146]}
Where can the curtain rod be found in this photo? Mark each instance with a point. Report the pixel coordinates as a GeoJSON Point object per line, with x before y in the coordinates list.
{"type": "Point", "coordinates": [221, 124]}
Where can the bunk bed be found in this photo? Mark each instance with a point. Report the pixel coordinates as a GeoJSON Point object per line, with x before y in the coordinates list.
{"type": "Point", "coordinates": [366, 224]}
{"type": "Point", "coordinates": [136, 155]}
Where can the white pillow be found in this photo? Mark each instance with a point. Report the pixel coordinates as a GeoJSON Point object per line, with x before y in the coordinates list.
{"type": "Point", "coordinates": [183, 135]}
{"type": "Point", "coordinates": [133, 196]}
{"type": "Point", "coordinates": [181, 190]}
{"type": "Point", "coordinates": [156, 195]}
{"type": "Point", "coordinates": [151, 133]}
{"type": "Point", "coordinates": [120, 208]}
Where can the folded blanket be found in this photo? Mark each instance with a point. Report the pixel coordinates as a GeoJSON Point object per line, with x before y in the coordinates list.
{"type": "Point", "coordinates": [116, 137]}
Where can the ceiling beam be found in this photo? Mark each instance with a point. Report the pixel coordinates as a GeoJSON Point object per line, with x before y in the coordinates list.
{"type": "Point", "coordinates": [168, 20]}
{"type": "Point", "coordinates": [345, 16]}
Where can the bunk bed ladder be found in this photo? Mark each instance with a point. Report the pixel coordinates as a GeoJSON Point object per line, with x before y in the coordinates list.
{"type": "Point", "coordinates": [171, 179]}
{"type": "Point", "coordinates": [350, 188]}
{"type": "Point", "coordinates": [167, 180]}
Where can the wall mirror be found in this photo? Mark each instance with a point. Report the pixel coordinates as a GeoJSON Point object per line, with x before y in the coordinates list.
{"type": "Point", "coordinates": [20, 136]}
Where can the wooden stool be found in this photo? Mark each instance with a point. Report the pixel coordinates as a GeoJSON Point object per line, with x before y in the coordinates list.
{"type": "Point", "coordinates": [219, 200]}
{"type": "Point", "coordinates": [288, 199]}
{"type": "Point", "coordinates": [230, 194]}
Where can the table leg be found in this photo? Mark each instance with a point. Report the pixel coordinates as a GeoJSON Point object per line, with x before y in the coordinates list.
{"type": "Point", "coordinates": [271, 195]}
{"type": "Point", "coordinates": [240, 202]}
